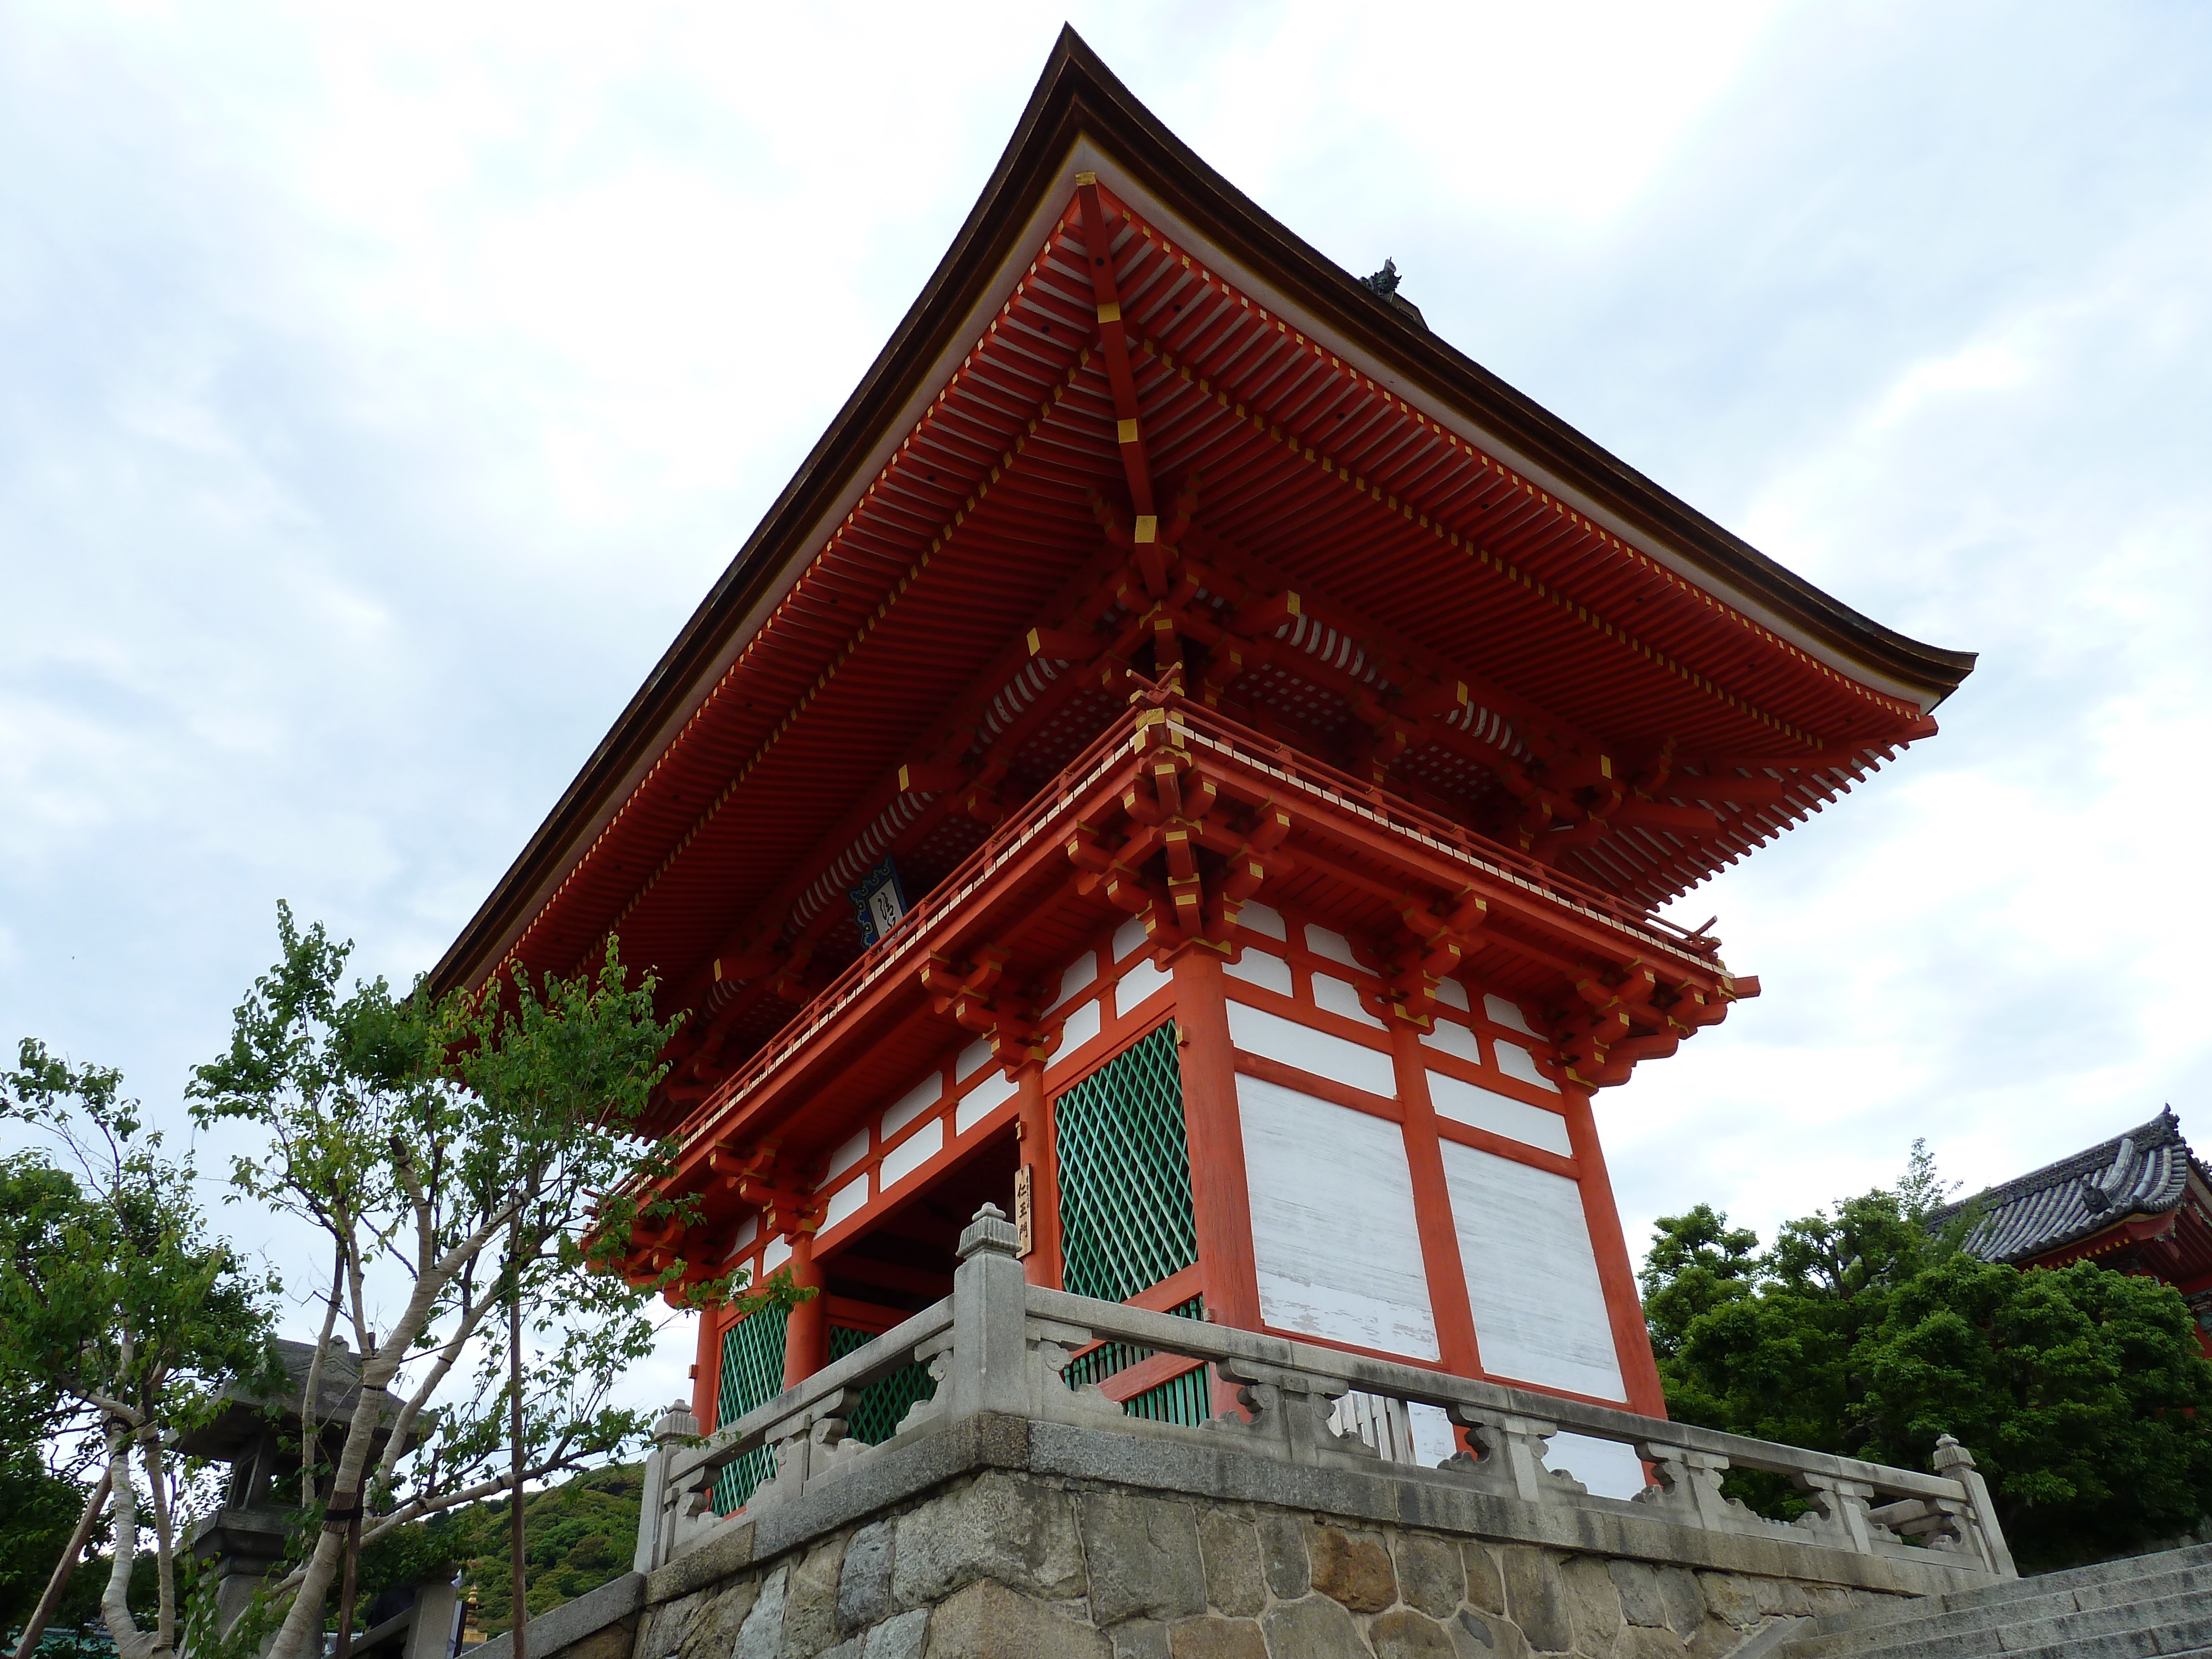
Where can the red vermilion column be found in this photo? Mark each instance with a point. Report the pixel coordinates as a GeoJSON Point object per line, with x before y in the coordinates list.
{"type": "Point", "coordinates": [706, 1369]}
{"type": "Point", "coordinates": [1221, 1203]}
{"type": "Point", "coordinates": [1042, 1265]}
{"type": "Point", "coordinates": [1432, 1213]}
{"type": "Point", "coordinates": [806, 1336]}
{"type": "Point", "coordinates": [1632, 1339]}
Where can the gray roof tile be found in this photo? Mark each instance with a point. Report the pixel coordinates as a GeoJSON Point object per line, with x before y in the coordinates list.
{"type": "Point", "coordinates": [2143, 1172]}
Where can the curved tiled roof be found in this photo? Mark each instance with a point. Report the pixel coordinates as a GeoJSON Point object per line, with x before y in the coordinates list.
{"type": "Point", "coordinates": [2143, 1172]}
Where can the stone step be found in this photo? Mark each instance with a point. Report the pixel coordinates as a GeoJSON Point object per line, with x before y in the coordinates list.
{"type": "Point", "coordinates": [1842, 1634]}
{"type": "Point", "coordinates": [2119, 1591]}
{"type": "Point", "coordinates": [2105, 1583]}
{"type": "Point", "coordinates": [2116, 1648]}
{"type": "Point", "coordinates": [2131, 1566]}
{"type": "Point", "coordinates": [2170, 1625]}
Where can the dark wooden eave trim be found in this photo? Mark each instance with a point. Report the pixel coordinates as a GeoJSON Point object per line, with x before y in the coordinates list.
{"type": "Point", "coordinates": [1077, 95]}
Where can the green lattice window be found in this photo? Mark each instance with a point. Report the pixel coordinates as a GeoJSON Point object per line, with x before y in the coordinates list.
{"type": "Point", "coordinates": [752, 1375]}
{"type": "Point", "coordinates": [1188, 1399]}
{"type": "Point", "coordinates": [1125, 1216]}
{"type": "Point", "coordinates": [885, 1401]}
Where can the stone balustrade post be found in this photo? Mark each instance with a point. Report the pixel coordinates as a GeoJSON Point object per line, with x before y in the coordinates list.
{"type": "Point", "coordinates": [1512, 1460]}
{"type": "Point", "coordinates": [1842, 1509]}
{"type": "Point", "coordinates": [990, 1359]}
{"type": "Point", "coordinates": [1986, 1537]}
{"type": "Point", "coordinates": [1686, 1485]}
{"type": "Point", "coordinates": [657, 1505]}
{"type": "Point", "coordinates": [1290, 1409]}
{"type": "Point", "coordinates": [806, 1446]}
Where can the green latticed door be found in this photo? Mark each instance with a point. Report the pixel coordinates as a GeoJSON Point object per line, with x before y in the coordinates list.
{"type": "Point", "coordinates": [1125, 1205]}
{"type": "Point", "coordinates": [752, 1375]}
{"type": "Point", "coordinates": [885, 1401]}
{"type": "Point", "coordinates": [1185, 1399]}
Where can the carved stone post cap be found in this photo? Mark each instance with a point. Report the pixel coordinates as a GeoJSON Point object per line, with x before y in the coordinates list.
{"type": "Point", "coordinates": [990, 1234]}
{"type": "Point", "coordinates": [1950, 1455]}
{"type": "Point", "coordinates": [677, 1423]}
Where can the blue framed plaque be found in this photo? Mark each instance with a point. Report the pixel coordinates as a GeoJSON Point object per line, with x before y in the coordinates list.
{"type": "Point", "coordinates": [879, 902]}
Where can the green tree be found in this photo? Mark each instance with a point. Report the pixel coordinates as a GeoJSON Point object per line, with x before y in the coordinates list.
{"type": "Point", "coordinates": [2080, 1391]}
{"type": "Point", "coordinates": [480, 1153]}
{"type": "Point", "coordinates": [121, 1320]}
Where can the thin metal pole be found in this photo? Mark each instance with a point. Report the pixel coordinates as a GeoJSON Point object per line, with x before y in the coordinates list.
{"type": "Point", "coordinates": [515, 1428]}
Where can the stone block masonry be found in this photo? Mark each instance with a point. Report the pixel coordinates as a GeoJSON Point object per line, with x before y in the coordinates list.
{"type": "Point", "coordinates": [1010, 1565]}
{"type": "Point", "coordinates": [1014, 1514]}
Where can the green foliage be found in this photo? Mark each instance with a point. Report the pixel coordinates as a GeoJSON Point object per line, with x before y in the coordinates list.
{"type": "Point", "coordinates": [121, 1320]}
{"type": "Point", "coordinates": [39, 1510]}
{"type": "Point", "coordinates": [2081, 1392]}
{"type": "Point", "coordinates": [482, 1148]}
{"type": "Point", "coordinates": [577, 1535]}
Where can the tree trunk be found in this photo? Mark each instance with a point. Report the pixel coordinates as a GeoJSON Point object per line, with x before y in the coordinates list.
{"type": "Point", "coordinates": [130, 1643]}
{"type": "Point", "coordinates": [42, 1615]}
{"type": "Point", "coordinates": [519, 1638]}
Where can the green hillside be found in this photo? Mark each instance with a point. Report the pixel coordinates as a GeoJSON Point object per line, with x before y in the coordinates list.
{"type": "Point", "coordinates": [576, 1536]}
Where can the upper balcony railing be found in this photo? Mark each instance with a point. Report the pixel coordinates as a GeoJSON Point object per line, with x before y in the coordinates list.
{"type": "Point", "coordinates": [1239, 747]}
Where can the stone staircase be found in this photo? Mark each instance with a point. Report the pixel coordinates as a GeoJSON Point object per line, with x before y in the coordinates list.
{"type": "Point", "coordinates": [2149, 1604]}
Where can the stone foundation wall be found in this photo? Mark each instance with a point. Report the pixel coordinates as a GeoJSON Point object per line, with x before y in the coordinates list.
{"type": "Point", "coordinates": [1010, 1565]}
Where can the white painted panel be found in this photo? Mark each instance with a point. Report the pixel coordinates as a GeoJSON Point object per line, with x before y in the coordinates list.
{"type": "Point", "coordinates": [1078, 1027]}
{"type": "Point", "coordinates": [972, 1058]}
{"type": "Point", "coordinates": [848, 1200]}
{"type": "Point", "coordinates": [1448, 1036]}
{"type": "Point", "coordinates": [912, 1104]}
{"type": "Point", "coordinates": [1452, 994]}
{"type": "Point", "coordinates": [1486, 1108]}
{"type": "Point", "coordinates": [1258, 968]}
{"type": "Point", "coordinates": [1323, 1053]}
{"type": "Point", "coordinates": [1333, 1231]}
{"type": "Point", "coordinates": [979, 1102]}
{"type": "Point", "coordinates": [1341, 996]}
{"type": "Point", "coordinates": [1402, 1432]}
{"type": "Point", "coordinates": [1506, 1014]}
{"type": "Point", "coordinates": [1080, 973]}
{"type": "Point", "coordinates": [1516, 1061]}
{"type": "Point", "coordinates": [1434, 1440]}
{"type": "Point", "coordinates": [1127, 937]}
{"type": "Point", "coordinates": [910, 1154]}
{"type": "Point", "coordinates": [1540, 1315]}
{"type": "Point", "coordinates": [1262, 919]}
{"type": "Point", "coordinates": [1142, 981]}
{"type": "Point", "coordinates": [847, 1156]}
{"type": "Point", "coordinates": [742, 1241]}
{"type": "Point", "coordinates": [1323, 943]}
{"type": "Point", "coordinates": [778, 1253]}
{"type": "Point", "coordinates": [1607, 1467]}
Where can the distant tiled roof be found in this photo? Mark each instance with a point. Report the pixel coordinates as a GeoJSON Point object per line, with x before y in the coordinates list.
{"type": "Point", "coordinates": [2143, 1172]}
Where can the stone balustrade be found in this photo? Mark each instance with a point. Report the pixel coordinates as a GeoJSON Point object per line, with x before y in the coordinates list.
{"type": "Point", "coordinates": [998, 1347]}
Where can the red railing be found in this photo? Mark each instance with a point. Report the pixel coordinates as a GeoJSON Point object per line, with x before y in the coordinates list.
{"type": "Point", "coordinates": [1235, 743]}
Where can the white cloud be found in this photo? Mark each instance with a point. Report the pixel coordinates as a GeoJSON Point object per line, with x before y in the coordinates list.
{"type": "Point", "coordinates": [385, 386]}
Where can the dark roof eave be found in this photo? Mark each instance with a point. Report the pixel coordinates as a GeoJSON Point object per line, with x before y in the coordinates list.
{"type": "Point", "coordinates": [1078, 94]}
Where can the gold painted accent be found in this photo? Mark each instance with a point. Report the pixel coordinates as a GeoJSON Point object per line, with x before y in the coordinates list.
{"type": "Point", "coordinates": [1128, 429]}
{"type": "Point", "coordinates": [1109, 310]}
{"type": "Point", "coordinates": [1086, 177]}
{"type": "Point", "coordinates": [1148, 524]}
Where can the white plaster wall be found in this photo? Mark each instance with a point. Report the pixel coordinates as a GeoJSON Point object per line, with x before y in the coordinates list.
{"type": "Point", "coordinates": [1332, 1230]}
{"type": "Point", "coordinates": [1540, 1314]}
{"type": "Point", "coordinates": [1325, 1054]}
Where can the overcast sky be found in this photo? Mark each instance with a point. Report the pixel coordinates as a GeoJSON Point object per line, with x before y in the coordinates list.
{"type": "Point", "coordinates": [381, 387]}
